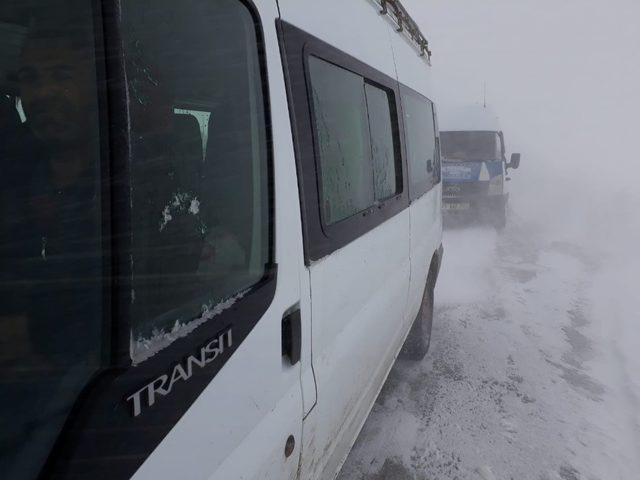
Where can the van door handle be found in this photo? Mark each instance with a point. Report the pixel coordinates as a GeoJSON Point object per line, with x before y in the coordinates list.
{"type": "Point", "coordinates": [292, 336]}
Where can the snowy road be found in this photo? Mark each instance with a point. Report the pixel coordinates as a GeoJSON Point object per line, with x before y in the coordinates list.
{"type": "Point", "coordinates": [525, 378]}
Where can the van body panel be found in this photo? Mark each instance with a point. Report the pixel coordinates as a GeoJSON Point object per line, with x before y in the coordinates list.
{"type": "Point", "coordinates": [359, 292]}
{"type": "Point", "coordinates": [426, 221]}
{"type": "Point", "coordinates": [426, 235]}
{"type": "Point", "coordinates": [341, 24]}
{"type": "Point", "coordinates": [359, 296]}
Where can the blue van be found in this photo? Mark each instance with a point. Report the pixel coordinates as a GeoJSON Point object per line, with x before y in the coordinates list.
{"type": "Point", "coordinates": [474, 167]}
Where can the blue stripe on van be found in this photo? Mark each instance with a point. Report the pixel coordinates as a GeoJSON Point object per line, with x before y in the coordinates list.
{"type": "Point", "coordinates": [459, 172]}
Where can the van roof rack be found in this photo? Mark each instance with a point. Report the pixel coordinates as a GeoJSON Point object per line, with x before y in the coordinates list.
{"type": "Point", "coordinates": [405, 24]}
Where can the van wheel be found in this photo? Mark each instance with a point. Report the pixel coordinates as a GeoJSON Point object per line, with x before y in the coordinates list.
{"type": "Point", "coordinates": [417, 343]}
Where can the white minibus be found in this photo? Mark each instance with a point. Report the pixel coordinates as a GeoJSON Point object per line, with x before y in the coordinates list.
{"type": "Point", "coordinates": [220, 224]}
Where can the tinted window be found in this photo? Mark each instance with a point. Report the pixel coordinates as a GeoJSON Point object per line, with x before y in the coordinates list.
{"type": "Point", "coordinates": [200, 180]}
{"type": "Point", "coordinates": [51, 265]}
{"type": "Point", "coordinates": [356, 141]}
{"type": "Point", "coordinates": [386, 168]}
{"type": "Point", "coordinates": [420, 135]}
{"type": "Point", "coordinates": [471, 146]}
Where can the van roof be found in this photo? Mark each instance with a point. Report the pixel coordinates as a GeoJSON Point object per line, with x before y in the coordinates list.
{"type": "Point", "coordinates": [468, 118]}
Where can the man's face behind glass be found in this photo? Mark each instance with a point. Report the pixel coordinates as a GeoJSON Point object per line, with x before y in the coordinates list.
{"type": "Point", "coordinates": [55, 81]}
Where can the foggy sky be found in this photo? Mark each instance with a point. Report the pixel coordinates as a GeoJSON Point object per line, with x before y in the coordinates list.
{"type": "Point", "coordinates": [564, 78]}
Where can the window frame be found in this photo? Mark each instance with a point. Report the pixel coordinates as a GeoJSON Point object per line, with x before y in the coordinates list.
{"type": "Point", "coordinates": [438, 145]}
{"type": "Point", "coordinates": [435, 174]}
{"type": "Point", "coordinates": [319, 238]}
{"type": "Point", "coordinates": [329, 227]}
{"type": "Point", "coordinates": [396, 139]}
{"type": "Point", "coordinates": [101, 429]}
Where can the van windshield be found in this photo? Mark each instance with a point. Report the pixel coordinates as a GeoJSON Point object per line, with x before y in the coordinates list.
{"type": "Point", "coordinates": [470, 146]}
{"type": "Point", "coordinates": [51, 293]}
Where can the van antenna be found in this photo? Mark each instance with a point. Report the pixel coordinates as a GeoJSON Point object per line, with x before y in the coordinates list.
{"type": "Point", "coordinates": [484, 94]}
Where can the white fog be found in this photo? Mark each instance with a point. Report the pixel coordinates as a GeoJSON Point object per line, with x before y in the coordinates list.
{"type": "Point", "coordinates": [252, 239]}
{"type": "Point", "coordinates": [534, 367]}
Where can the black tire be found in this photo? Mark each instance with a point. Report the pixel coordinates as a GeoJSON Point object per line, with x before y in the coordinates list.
{"type": "Point", "coordinates": [417, 343]}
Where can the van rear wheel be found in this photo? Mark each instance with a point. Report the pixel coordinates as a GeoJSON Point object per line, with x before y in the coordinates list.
{"type": "Point", "coordinates": [417, 343]}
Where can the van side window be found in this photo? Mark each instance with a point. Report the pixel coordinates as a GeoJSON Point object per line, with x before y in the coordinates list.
{"type": "Point", "coordinates": [356, 141]}
{"type": "Point", "coordinates": [387, 172]}
{"type": "Point", "coordinates": [342, 136]}
{"type": "Point", "coordinates": [422, 148]}
{"type": "Point", "coordinates": [52, 288]}
{"type": "Point", "coordinates": [199, 164]}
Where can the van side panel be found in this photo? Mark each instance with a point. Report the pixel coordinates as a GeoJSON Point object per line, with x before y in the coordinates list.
{"type": "Point", "coordinates": [358, 302]}
{"type": "Point", "coordinates": [359, 291]}
{"type": "Point", "coordinates": [352, 26]}
{"type": "Point", "coordinates": [426, 216]}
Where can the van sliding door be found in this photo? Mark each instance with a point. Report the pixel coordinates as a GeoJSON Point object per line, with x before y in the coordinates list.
{"type": "Point", "coordinates": [356, 220]}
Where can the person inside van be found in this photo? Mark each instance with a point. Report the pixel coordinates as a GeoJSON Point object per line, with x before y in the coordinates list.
{"type": "Point", "coordinates": [52, 246]}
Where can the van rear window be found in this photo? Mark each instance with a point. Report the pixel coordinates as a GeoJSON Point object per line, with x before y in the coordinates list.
{"type": "Point", "coordinates": [422, 143]}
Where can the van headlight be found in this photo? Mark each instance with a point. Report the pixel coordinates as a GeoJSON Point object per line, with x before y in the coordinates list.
{"type": "Point", "coordinates": [496, 185]}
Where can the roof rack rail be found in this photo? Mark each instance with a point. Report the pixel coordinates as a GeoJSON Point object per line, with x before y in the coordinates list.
{"type": "Point", "coordinates": [405, 24]}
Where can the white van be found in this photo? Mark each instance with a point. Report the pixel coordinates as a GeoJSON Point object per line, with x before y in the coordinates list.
{"type": "Point", "coordinates": [219, 222]}
{"type": "Point", "coordinates": [475, 168]}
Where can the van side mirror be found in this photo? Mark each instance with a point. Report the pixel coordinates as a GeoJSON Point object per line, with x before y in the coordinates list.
{"type": "Point", "coordinates": [515, 161]}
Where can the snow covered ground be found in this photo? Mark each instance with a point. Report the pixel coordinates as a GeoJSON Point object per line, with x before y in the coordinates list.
{"type": "Point", "coordinates": [533, 371]}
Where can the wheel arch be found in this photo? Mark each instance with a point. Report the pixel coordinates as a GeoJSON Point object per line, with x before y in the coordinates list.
{"type": "Point", "coordinates": [434, 267]}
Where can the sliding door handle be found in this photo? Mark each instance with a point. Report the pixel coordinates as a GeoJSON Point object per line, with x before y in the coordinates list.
{"type": "Point", "coordinates": [292, 336]}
